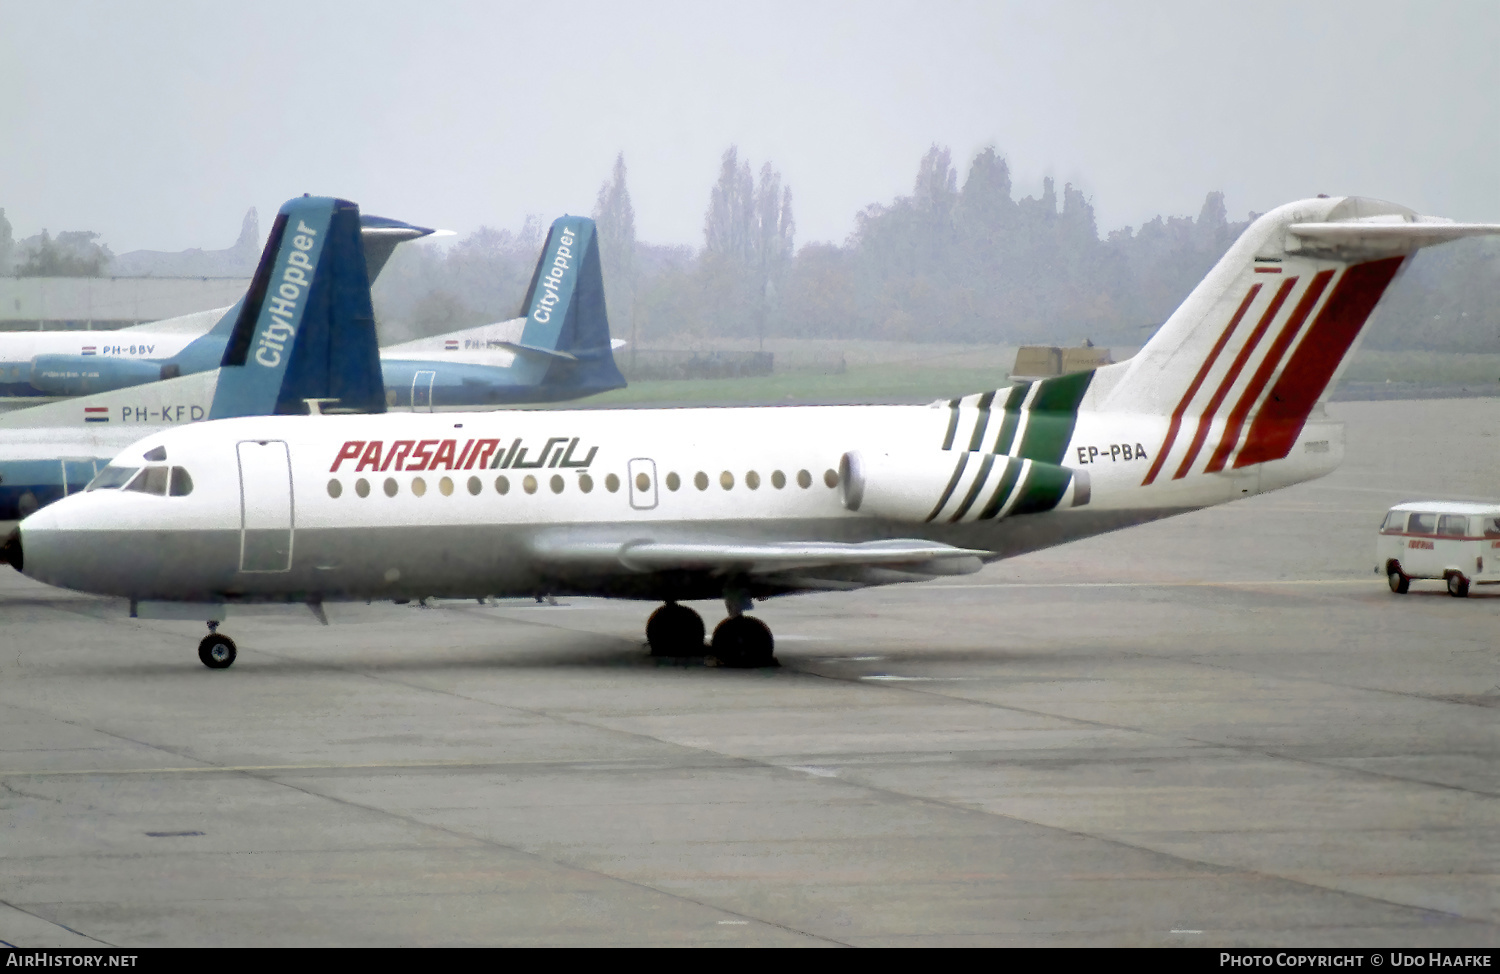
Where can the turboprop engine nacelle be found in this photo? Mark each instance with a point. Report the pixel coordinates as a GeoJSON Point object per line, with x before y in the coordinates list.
{"type": "Point", "coordinates": [948, 486]}
{"type": "Point", "coordinates": [82, 375]}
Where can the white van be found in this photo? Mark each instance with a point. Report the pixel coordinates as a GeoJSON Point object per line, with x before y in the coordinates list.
{"type": "Point", "coordinates": [1459, 543]}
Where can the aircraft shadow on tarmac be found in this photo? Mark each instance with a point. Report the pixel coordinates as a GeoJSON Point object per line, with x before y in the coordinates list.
{"type": "Point", "coordinates": [588, 652]}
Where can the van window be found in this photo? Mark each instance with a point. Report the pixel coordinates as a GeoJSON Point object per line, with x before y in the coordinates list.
{"type": "Point", "coordinates": [112, 478]}
{"type": "Point", "coordinates": [1394, 522]}
{"type": "Point", "coordinates": [152, 480]}
{"type": "Point", "coordinates": [1423, 524]}
{"type": "Point", "coordinates": [1453, 526]}
{"type": "Point", "coordinates": [1492, 527]}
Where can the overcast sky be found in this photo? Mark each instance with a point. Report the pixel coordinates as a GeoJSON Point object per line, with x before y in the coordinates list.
{"type": "Point", "coordinates": [157, 124]}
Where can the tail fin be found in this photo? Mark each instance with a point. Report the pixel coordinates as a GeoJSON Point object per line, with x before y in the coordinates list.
{"type": "Point", "coordinates": [378, 238]}
{"type": "Point", "coordinates": [306, 328]}
{"type": "Point", "coordinates": [566, 338]}
{"type": "Point", "coordinates": [1260, 342]}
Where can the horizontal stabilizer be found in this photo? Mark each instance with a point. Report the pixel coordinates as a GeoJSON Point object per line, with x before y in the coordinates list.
{"type": "Point", "coordinates": [533, 350]}
{"type": "Point", "coordinates": [1370, 239]}
{"type": "Point", "coordinates": [380, 235]}
{"type": "Point", "coordinates": [759, 558]}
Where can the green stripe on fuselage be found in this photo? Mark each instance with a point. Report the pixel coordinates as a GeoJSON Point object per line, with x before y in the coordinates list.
{"type": "Point", "coordinates": [1044, 487]}
{"type": "Point", "coordinates": [1012, 417]}
{"type": "Point", "coordinates": [1053, 414]}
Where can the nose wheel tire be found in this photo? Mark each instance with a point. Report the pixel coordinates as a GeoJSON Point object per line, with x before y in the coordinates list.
{"type": "Point", "coordinates": [1458, 585]}
{"type": "Point", "coordinates": [743, 642]}
{"type": "Point", "coordinates": [1399, 582]}
{"type": "Point", "coordinates": [217, 652]}
{"type": "Point", "coordinates": [675, 631]}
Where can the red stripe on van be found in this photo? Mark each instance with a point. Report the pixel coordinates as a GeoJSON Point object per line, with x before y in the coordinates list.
{"type": "Point", "coordinates": [1225, 384]}
{"type": "Point", "coordinates": [1192, 390]}
{"type": "Point", "coordinates": [1280, 420]}
{"type": "Point", "coordinates": [1278, 348]}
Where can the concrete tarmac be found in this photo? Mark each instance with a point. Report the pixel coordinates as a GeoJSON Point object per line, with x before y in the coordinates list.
{"type": "Point", "coordinates": [1220, 729]}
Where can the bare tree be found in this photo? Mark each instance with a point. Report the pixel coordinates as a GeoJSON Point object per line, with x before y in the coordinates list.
{"type": "Point", "coordinates": [7, 245]}
{"type": "Point", "coordinates": [616, 221]}
{"type": "Point", "coordinates": [774, 232]}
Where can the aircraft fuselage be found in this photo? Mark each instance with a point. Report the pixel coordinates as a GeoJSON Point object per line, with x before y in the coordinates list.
{"type": "Point", "coordinates": [518, 502]}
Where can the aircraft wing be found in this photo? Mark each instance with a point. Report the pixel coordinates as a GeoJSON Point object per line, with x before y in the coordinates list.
{"type": "Point", "coordinates": [806, 564]}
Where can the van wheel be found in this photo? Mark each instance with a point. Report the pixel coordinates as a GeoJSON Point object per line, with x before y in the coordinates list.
{"type": "Point", "coordinates": [1458, 585]}
{"type": "Point", "coordinates": [1400, 583]}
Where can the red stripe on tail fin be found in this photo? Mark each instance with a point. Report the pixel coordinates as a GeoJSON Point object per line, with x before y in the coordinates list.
{"type": "Point", "coordinates": [1280, 420]}
{"type": "Point", "coordinates": [1192, 390]}
{"type": "Point", "coordinates": [1274, 354]}
{"type": "Point", "coordinates": [1206, 420]}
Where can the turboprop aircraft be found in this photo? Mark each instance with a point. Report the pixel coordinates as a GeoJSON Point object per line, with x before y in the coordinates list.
{"type": "Point", "coordinates": [326, 352]}
{"type": "Point", "coordinates": [52, 450]}
{"type": "Point", "coordinates": [521, 360]}
{"type": "Point", "coordinates": [1224, 402]}
{"type": "Point", "coordinates": [49, 365]}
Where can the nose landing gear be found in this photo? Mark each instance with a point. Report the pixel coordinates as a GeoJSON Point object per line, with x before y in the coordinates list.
{"type": "Point", "coordinates": [216, 650]}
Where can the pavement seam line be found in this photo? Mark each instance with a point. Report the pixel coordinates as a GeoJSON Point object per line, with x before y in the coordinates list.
{"type": "Point", "coordinates": [55, 923]}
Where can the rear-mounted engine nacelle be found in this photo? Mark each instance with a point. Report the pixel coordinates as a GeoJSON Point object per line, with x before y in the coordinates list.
{"type": "Point", "coordinates": [948, 486]}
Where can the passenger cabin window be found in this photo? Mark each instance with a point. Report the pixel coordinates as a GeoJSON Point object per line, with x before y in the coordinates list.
{"type": "Point", "coordinates": [151, 480]}
{"type": "Point", "coordinates": [1453, 526]}
{"type": "Point", "coordinates": [1423, 524]}
{"type": "Point", "coordinates": [1394, 522]}
{"type": "Point", "coordinates": [112, 478]}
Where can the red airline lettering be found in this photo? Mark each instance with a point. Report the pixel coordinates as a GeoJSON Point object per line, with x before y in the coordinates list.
{"type": "Point", "coordinates": [481, 456]}
{"type": "Point", "coordinates": [370, 460]}
{"type": "Point", "coordinates": [349, 451]}
{"type": "Point", "coordinates": [397, 454]}
{"type": "Point", "coordinates": [444, 455]}
{"type": "Point", "coordinates": [421, 455]}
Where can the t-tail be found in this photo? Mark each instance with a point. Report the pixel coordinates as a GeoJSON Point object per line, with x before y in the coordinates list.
{"type": "Point", "coordinates": [1225, 400]}
{"type": "Point", "coordinates": [1258, 346]}
{"type": "Point", "coordinates": [306, 329]}
{"type": "Point", "coordinates": [559, 348]}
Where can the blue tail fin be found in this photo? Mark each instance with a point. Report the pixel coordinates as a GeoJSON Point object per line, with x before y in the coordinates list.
{"type": "Point", "coordinates": [306, 328]}
{"type": "Point", "coordinates": [566, 339]}
{"type": "Point", "coordinates": [378, 239]}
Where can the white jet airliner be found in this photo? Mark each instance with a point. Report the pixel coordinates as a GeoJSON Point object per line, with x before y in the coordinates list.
{"type": "Point", "coordinates": [1224, 402]}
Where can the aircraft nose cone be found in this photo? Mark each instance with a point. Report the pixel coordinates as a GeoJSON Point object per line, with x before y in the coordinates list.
{"type": "Point", "coordinates": [10, 551]}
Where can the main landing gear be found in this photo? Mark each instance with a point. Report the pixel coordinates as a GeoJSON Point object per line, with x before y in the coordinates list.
{"type": "Point", "coordinates": [216, 650]}
{"type": "Point", "coordinates": [739, 642]}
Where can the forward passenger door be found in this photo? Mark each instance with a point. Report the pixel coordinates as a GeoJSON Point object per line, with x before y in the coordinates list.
{"type": "Point", "coordinates": [266, 506]}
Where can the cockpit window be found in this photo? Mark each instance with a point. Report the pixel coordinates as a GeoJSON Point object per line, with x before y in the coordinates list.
{"type": "Point", "coordinates": [111, 478]}
{"type": "Point", "coordinates": [152, 480]}
{"type": "Point", "coordinates": [182, 484]}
